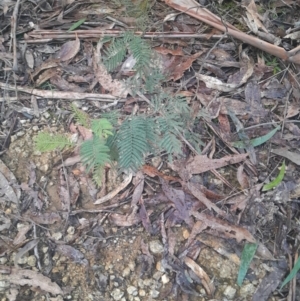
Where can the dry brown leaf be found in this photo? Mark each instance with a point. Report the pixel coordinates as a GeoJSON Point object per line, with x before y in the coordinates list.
{"type": "Point", "coordinates": [197, 228]}
{"type": "Point", "coordinates": [214, 223]}
{"type": "Point", "coordinates": [242, 177]}
{"type": "Point", "coordinates": [294, 157]}
{"type": "Point", "coordinates": [47, 218]}
{"type": "Point", "coordinates": [205, 280]}
{"type": "Point", "coordinates": [127, 179]}
{"type": "Point", "coordinates": [219, 105]}
{"type": "Point", "coordinates": [201, 163]}
{"type": "Point", "coordinates": [68, 50]}
{"type": "Point", "coordinates": [139, 187]}
{"type": "Point", "coordinates": [196, 192]}
{"type": "Point", "coordinates": [63, 85]}
{"type": "Point", "coordinates": [21, 235]}
{"type": "Point", "coordinates": [222, 248]}
{"type": "Point", "coordinates": [30, 245]}
{"type": "Point", "coordinates": [125, 220]}
{"type": "Point", "coordinates": [53, 63]}
{"type": "Point", "coordinates": [31, 278]}
{"type": "Point", "coordinates": [72, 253]}
{"type": "Point", "coordinates": [175, 66]}
{"type": "Point", "coordinates": [253, 17]}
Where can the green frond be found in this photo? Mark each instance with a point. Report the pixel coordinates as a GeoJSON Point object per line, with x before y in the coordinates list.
{"type": "Point", "coordinates": [171, 144]}
{"type": "Point", "coordinates": [153, 80]}
{"type": "Point", "coordinates": [45, 142]}
{"type": "Point", "coordinates": [137, 9]}
{"type": "Point", "coordinates": [94, 153]}
{"type": "Point", "coordinates": [132, 143]}
{"type": "Point", "coordinates": [112, 116]}
{"type": "Point", "coordinates": [141, 51]}
{"type": "Point", "coordinates": [115, 54]}
{"type": "Point", "coordinates": [102, 128]}
{"type": "Point", "coordinates": [98, 174]}
{"type": "Point", "coordinates": [81, 117]}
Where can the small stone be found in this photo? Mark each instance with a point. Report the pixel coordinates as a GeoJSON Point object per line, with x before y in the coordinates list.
{"type": "Point", "coordinates": [3, 260]}
{"type": "Point", "coordinates": [186, 234]}
{"type": "Point", "coordinates": [117, 294]}
{"type": "Point", "coordinates": [46, 115]}
{"type": "Point", "coordinates": [154, 293]}
{"type": "Point", "coordinates": [165, 279]}
{"type": "Point", "coordinates": [71, 230]}
{"type": "Point", "coordinates": [131, 266]}
{"type": "Point", "coordinates": [157, 275]}
{"type": "Point", "coordinates": [20, 134]}
{"type": "Point", "coordinates": [147, 282]}
{"type": "Point", "coordinates": [35, 128]}
{"type": "Point", "coordinates": [156, 247]}
{"type": "Point", "coordinates": [156, 161]}
{"type": "Point", "coordinates": [141, 283]}
{"type": "Point", "coordinates": [142, 293]}
{"type": "Point", "coordinates": [31, 261]}
{"type": "Point", "coordinates": [132, 290]}
{"type": "Point", "coordinates": [57, 235]}
{"type": "Point", "coordinates": [44, 167]}
{"type": "Point", "coordinates": [247, 290]}
{"type": "Point", "coordinates": [126, 272]}
{"type": "Point", "coordinates": [159, 267]}
{"type": "Point", "coordinates": [230, 292]}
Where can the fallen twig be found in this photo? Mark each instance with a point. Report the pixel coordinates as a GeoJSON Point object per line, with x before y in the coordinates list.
{"type": "Point", "coordinates": [61, 94]}
{"type": "Point", "coordinates": [14, 18]}
{"type": "Point", "coordinates": [39, 36]}
{"type": "Point", "coordinates": [192, 8]}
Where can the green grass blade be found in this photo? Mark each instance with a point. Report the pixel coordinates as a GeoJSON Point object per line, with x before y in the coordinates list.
{"type": "Point", "coordinates": [292, 274]}
{"type": "Point", "coordinates": [247, 256]}
{"type": "Point", "coordinates": [77, 24]}
{"type": "Point", "coordinates": [276, 181]}
{"type": "Point", "coordinates": [256, 141]}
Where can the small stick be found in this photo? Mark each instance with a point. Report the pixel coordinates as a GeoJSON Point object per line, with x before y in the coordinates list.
{"type": "Point", "coordinates": [13, 35]}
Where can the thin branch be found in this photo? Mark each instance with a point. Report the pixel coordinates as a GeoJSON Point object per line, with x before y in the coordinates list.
{"type": "Point", "coordinates": [14, 18]}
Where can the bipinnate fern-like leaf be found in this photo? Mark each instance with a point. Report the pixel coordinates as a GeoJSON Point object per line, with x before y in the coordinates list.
{"type": "Point", "coordinates": [46, 142]}
{"type": "Point", "coordinates": [141, 51]}
{"type": "Point", "coordinates": [94, 153]}
{"type": "Point", "coordinates": [81, 117]}
{"type": "Point", "coordinates": [132, 142]}
{"type": "Point", "coordinates": [102, 128]}
{"type": "Point", "coordinates": [171, 144]}
{"type": "Point", "coordinates": [98, 174]}
{"type": "Point", "coordinates": [115, 53]}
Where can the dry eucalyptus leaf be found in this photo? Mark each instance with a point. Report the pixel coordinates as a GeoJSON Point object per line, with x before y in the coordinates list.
{"type": "Point", "coordinates": [69, 50]}
{"type": "Point", "coordinates": [31, 278]}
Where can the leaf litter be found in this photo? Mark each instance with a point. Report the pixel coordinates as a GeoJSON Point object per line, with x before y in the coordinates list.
{"type": "Point", "coordinates": [176, 221]}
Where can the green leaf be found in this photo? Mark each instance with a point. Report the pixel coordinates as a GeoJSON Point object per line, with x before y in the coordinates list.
{"type": "Point", "coordinates": [94, 153]}
{"type": "Point", "coordinates": [247, 256]}
{"type": "Point", "coordinates": [77, 24]}
{"type": "Point", "coordinates": [46, 142]}
{"type": "Point", "coordinates": [81, 117]}
{"type": "Point", "coordinates": [256, 141]}
{"type": "Point", "coordinates": [132, 142]}
{"type": "Point", "coordinates": [276, 181]}
{"type": "Point", "coordinates": [102, 128]}
{"type": "Point", "coordinates": [292, 274]}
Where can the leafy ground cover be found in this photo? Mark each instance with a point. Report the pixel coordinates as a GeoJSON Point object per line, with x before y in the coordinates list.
{"type": "Point", "coordinates": [149, 150]}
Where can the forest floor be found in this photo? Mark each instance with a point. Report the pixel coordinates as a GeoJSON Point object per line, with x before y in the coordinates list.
{"type": "Point", "coordinates": [149, 150]}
